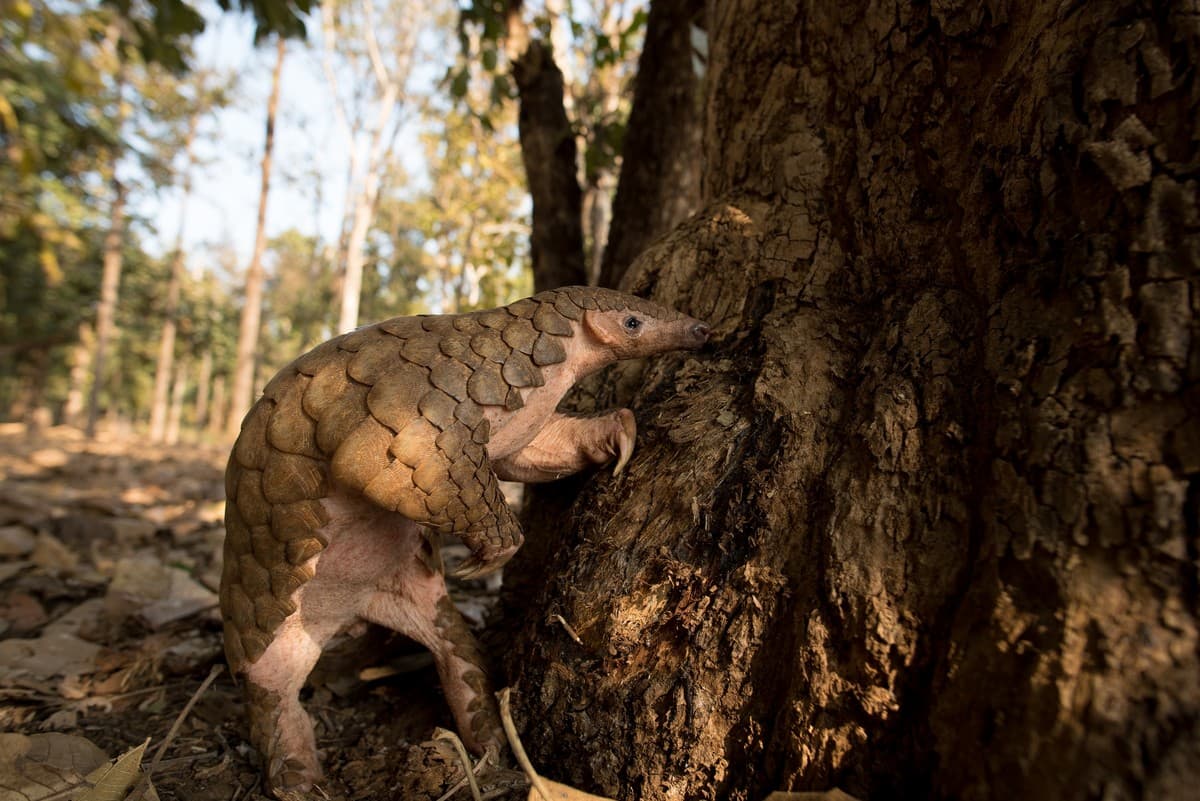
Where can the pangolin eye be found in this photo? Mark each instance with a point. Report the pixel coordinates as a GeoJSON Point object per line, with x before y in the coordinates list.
{"type": "Point", "coordinates": [632, 323]}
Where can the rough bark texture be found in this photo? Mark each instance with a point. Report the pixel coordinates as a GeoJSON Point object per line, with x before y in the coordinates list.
{"type": "Point", "coordinates": [548, 150]}
{"type": "Point", "coordinates": [660, 162]}
{"type": "Point", "coordinates": [923, 524]}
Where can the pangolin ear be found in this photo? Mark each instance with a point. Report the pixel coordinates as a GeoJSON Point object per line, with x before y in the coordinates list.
{"type": "Point", "coordinates": [599, 326]}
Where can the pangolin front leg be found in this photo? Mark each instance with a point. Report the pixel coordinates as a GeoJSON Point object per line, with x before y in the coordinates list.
{"type": "Point", "coordinates": [433, 469]}
{"type": "Point", "coordinates": [568, 444]}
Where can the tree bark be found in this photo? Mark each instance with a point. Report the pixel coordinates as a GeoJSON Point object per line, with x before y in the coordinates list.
{"type": "Point", "coordinates": [166, 342]}
{"type": "Point", "coordinates": [203, 390]}
{"type": "Point", "coordinates": [175, 415]}
{"type": "Point", "coordinates": [922, 521]}
{"type": "Point", "coordinates": [81, 361]}
{"type": "Point", "coordinates": [549, 153]}
{"type": "Point", "coordinates": [660, 161]}
{"type": "Point", "coordinates": [243, 378]}
{"type": "Point", "coordinates": [106, 309]}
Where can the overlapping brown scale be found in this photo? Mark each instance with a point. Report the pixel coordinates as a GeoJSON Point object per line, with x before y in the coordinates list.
{"type": "Point", "coordinates": [520, 372]}
{"type": "Point", "coordinates": [300, 551]}
{"type": "Point", "coordinates": [431, 473]}
{"type": "Point", "coordinates": [252, 506]}
{"type": "Point", "coordinates": [251, 448]}
{"type": "Point", "coordinates": [340, 419]}
{"type": "Point", "coordinates": [452, 440]}
{"type": "Point", "coordinates": [455, 344]}
{"type": "Point", "coordinates": [548, 320]}
{"type": "Point", "coordinates": [566, 307]}
{"type": "Point", "coordinates": [290, 429]}
{"type": "Point", "coordinates": [373, 360]}
{"type": "Point", "coordinates": [548, 349]}
{"type": "Point", "coordinates": [437, 407]}
{"type": "Point", "coordinates": [450, 376]}
{"type": "Point", "coordinates": [437, 324]}
{"type": "Point", "coordinates": [413, 441]}
{"type": "Point", "coordinates": [490, 345]}
{"type": "Point", "coordinates": [583, 297]}
{"type": "Point", "coordinates": [254, 578]}
{"type": "Point", "coordinates": [355, 340]}
{"type": "Point", "coordinates": [290, 521]}
{"type": "Point", "coordinates": [523, 308]}
{"type": "Point", "coordinates": [266, 549]}
{"type": "Point", "coordinates": [291, 477]}
{"type": "Point", "coordinates": [362, 454]}
{"type": "Point", "coordinates": [493, 318]}
{"type": "Point", "coordinates": [237, 535]}
{"type": "Point", "coordinates": [468, 413]}
{"type": "Point", "coordinates": [286, 578]}
{"type": "Point", "coordinates": [402, 327]}
{"type": "Point", "coordinates": [513, 400]}
{"type": "Point", "coordinates": [487, 386]}
{"type": "Point", "coordinates": [255, 643]}
{"type": "Point", "coordinates": [466, 323]}
{"type": "Point", "coordinates": [390, 485]}
{"type": "Point", "coordinates": [394, 398]}
{"type": "Point", "coordinates": [422, 349]}
{"type": "Point", "coordinates": [328, 386]}
{"type": "Point", "coordinates": [270, 611]}
{"type": "Point", "coordinates": [520, 335]}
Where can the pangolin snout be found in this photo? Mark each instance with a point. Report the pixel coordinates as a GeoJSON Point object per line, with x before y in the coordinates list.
{"type": "Point", "coordinates": [699, 333]}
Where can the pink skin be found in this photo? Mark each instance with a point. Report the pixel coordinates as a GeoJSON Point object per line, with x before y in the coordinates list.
{"type": "Point", "coordinates": [379, 568]}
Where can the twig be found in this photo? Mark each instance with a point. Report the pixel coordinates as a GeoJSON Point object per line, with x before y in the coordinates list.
{"type": "Point", "coordinates": [514, 742]}
{"type": "Point", "coordinates": [453, 739]}
{"type": "Point", "coordinates": [144, 783]}
{"type": "Point", "coordinates": [570, 631]}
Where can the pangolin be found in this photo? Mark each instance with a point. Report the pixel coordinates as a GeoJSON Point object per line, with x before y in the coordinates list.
{"type": "Point", "coordinates": [364, 449]}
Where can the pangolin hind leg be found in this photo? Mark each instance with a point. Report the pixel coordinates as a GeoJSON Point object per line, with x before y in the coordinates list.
{"type": "Point", "coordinates": [279, 727]}
{"type": "Point", "coordinates": [415, 603]}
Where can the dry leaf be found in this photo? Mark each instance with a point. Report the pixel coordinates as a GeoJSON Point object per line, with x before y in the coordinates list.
{"type": "Point", "coordinates": [44, 765]}
{"type": "Point", "coordinates": [111, 782]}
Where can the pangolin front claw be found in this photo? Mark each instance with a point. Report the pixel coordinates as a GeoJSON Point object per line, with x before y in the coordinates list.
{"type": "Point", "coordinates": [625, 439]}
{"type": "Point", "coordinates": [480, 565]}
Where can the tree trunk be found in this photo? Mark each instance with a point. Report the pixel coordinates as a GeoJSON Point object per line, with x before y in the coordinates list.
{"type": "Point", "coordinates": [660, 161]}
{"type": "Point", "coordinates": [106, 309]}
{"type": "Point", "coordinates": [549, 153]}
{"type": "Point", "coordinates": [81, 362]}
{"type": "Point", "coordinates": [166, 342]}
{"type": "Point", "coordinates": [922, 521]}
{"type": "Point", "coordinates": [175, 415]}
{"type": "Point", "coordinates": [243, 378]}
{"type": "Point", "coordinates": [203, 390]}
{"type": "Point", "coordinates": [218, 408]}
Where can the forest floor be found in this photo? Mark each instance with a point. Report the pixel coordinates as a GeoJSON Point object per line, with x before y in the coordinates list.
{"type": "Point", "coordinates": [110, 560]}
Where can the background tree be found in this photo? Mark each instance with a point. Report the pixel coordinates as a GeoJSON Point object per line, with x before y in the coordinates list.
{"type": "Point", "coordinates": [248, 331]}
{"type": "Point", "coordinates": [376, 50]}
{"type": "Point", "coordinates": [922, 522]}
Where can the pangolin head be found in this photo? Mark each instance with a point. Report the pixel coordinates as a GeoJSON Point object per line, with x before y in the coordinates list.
{"type": "Point", "coordinates": [629, 327]}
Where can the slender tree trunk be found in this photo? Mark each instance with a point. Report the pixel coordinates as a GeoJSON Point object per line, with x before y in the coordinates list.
{"type": "Point", "coordinates": [922, 521]}
{"type": "Point", "coordinates": [548, 150]}
{"type": "Point", "coordinates": [203, 390]}
{"type": "Point", "coordinates": [660, 162]}
{"type": "Point", "coordinates": [178, 393]}
{"type": "Point", "coordinates": [218, 407]}
{"type": "Point", "coordinates": [81, 362]}
{"type": "Point", "coordinates": [243, 380]}
{"type": "Point", "coordinates": [106, 310]}
{"type": "Point", "coordinates": [166, 343]}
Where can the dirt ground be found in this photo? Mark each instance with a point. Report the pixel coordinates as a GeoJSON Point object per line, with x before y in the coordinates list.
{"type": "Point", "coordinates": [110, 558]}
